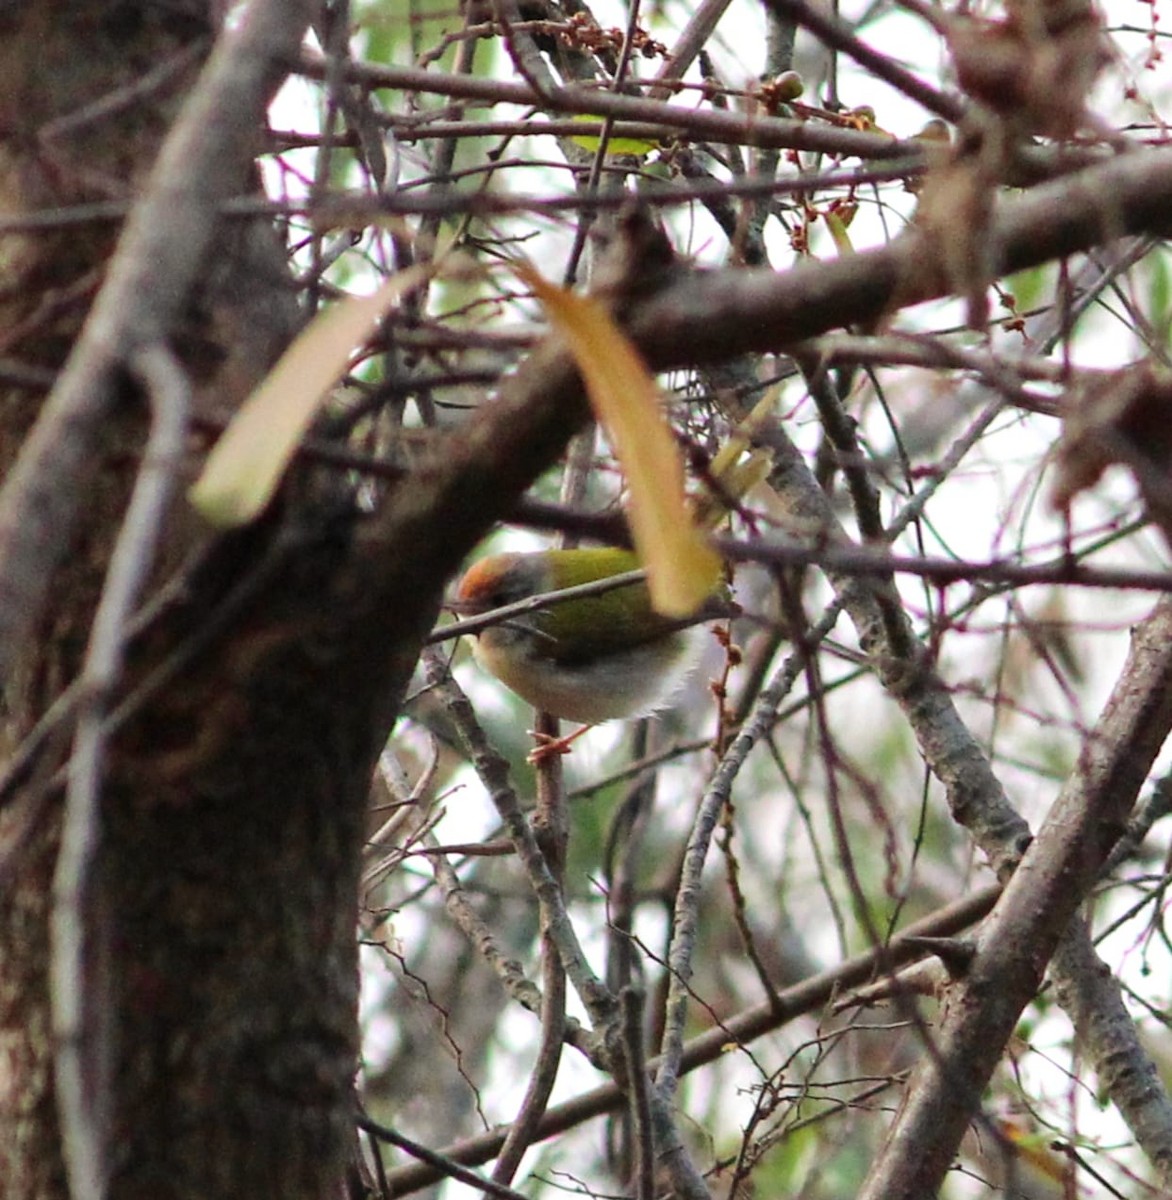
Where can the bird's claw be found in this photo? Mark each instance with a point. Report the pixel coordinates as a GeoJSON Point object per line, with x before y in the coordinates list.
{"type": "Point", "coordinates": [549, 746]}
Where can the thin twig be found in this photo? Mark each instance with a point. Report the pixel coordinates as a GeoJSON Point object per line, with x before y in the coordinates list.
{"type": "Point", "coordinates": [631, 1010]}
{"type": "Point", "coordinates": [708, 124]}
{"type": "Point", "coordinates": [551, 829]}
{"type": "Point", "coordinates": [838, 35]}
{"type": "Point", "coordinates": [686, 915]}
{"type": "Point", "coordinates": [600, 1004]}
{"type": "Point", "coordinates": [508, 970]}
{"type": "Point", "coordinates": [159, 80]}
{"type": "Point", "coordinates": [446, 1167]}
{"type": "Point", "coordinates": [808, 996]}
{"type": "Point", "coordinates": [859, 562]}
{"type": "Point", "coordinates": [530, 604]}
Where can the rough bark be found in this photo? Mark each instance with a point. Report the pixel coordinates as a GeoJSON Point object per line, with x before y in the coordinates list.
{"type": "Point", "coordinates": [220, 950]}
{"type": "Point", "coordinates": [222, 968]}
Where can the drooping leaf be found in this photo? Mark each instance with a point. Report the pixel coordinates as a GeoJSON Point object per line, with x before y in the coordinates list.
{"type": "Point", "coordinates": [246, 464]}
{"type": "Point", "coordinates": [682, 569]}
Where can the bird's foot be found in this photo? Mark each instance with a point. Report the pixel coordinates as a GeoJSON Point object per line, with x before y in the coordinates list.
{"type": "Point", "coordinates": [550, 747]}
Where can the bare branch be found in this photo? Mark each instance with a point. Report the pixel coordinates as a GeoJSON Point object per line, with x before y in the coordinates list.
{"type": "Point", "coordinates": [84, 1057]}
{"type": "Point", "coordinates": [808, 996]}
{"type": "Point", "coordinates": [1019, 937]}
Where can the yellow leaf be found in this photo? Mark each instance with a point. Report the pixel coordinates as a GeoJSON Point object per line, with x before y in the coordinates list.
{"type": "Point", "coordinates": [246, 464]}
{"type": "Point", "coordinates": [682, 569]}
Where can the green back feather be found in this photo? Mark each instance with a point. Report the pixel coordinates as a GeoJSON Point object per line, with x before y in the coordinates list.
{"type": "Point", "coordinates": [616, 620]}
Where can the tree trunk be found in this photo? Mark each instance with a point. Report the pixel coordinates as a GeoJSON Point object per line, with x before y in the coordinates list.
{"type": "Point", "coordinates": [221, 969]}
{"type": "Point", "coordinates": [217, 904]}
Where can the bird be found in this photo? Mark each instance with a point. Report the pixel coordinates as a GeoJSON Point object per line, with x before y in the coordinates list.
{"type": "Point", "coordinates": [589, 659]}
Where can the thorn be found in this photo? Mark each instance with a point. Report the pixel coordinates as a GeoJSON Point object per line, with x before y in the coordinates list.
{"type": "Point", "coordinates": [955, 953]}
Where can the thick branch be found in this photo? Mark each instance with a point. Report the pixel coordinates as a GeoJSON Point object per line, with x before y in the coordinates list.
{"type": "Point", "coordinates": [1107, 1035]}
{"type": "Point", "coordinates": [1021, 934]}
{"type": "Point", "coordinates": [704, 317]}
{"type": "Point", "coordinates": [713, 316]}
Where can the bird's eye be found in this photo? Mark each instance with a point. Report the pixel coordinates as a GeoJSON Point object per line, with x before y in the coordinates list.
{"type": "Point", "coordinates": [509, 591]}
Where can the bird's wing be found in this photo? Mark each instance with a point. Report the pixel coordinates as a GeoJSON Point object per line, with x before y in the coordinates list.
{"type": "Point", "coordinates": [617, 621]}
